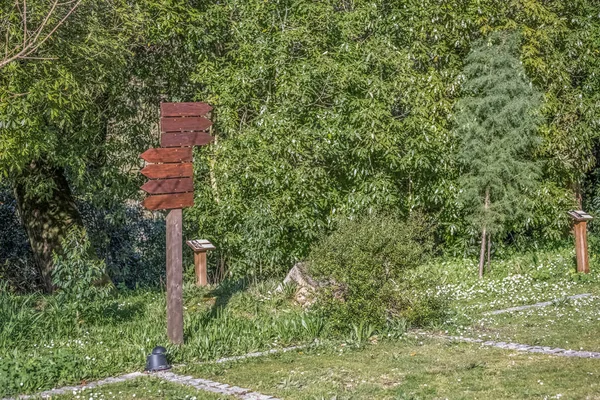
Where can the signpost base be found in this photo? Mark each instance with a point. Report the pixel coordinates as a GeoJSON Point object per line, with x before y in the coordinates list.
{"type": "Point", "coordinates": [174, 277]}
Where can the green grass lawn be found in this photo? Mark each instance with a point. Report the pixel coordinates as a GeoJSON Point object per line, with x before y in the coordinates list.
{"type": "Point", "coordinates": [142, 389]}
{"type": "Point", "coordinates": [46, 344]}
{"type": "Point", "coordinates": [411, 369]}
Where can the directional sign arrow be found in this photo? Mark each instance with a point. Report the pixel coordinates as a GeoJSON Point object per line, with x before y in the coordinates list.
{"type": "Point", "coordinates": [164, 171]}
{"type": "Point", "coordinates": [169, 201]}
{"type": "Point", "coordinates": [185, 139]}
{"type": "Point", "coordinates": [158, 186]}
{"type": "Point", "coordinates": [184, 109]}
{"type": "Point", "coordinates": [167, 155]}
{"type": "Point", "coordinates": [176, 124]}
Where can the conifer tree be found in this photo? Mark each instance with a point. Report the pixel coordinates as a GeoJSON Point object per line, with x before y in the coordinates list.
{"type": "Point", "coordinates": [496, 120]}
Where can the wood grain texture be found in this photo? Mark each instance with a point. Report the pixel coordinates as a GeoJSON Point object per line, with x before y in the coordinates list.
{"type": "Point", "coordinates": [174, 277]}
{"type": "Point", "coordinates": [185, 139]}
{"type": "Point", "coordinates": [195, 109]}
{"type": "Point", "coordinates": [165, 171]}
{"type": "Point", "coordinates": [167, 155]}
{"type": "Point", "coordinates": [169, 201]}
{"type": "Point", "coordinates": [581, 247]}
{"type": "Point", "coordinates": [163, 186]}
{"type": "Point", "coordinates": [184, 124]}
{"type": "Point", "coordinates": [200, 268]}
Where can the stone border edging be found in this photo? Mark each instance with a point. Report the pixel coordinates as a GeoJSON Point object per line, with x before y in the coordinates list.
{"type": "Point", "coordinates": [554, 351]}
{"type": "Point", "coordinates": [212, 386]}
{"type": "Point", "coordinates": [536, 305]}
{"type": "Point", "coordinates": [69, 389]}
{"type": "Point", "coordinates": [198, 384]}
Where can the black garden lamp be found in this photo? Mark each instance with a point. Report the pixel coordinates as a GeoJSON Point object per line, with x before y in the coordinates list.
{"type": "Point", "coordinates": [157, 361]}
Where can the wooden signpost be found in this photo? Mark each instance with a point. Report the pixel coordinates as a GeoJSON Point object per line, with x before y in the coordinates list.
{"type": "Point", "coordinates": [171, 187]}
{"type": "Point", "coordinates": [580, 219]}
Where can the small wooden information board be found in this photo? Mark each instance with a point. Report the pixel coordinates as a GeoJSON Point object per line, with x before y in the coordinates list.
{"type": "Point", "coordinates": [170, 170]}
{"type": "Point", "coordinates": [200, 247]}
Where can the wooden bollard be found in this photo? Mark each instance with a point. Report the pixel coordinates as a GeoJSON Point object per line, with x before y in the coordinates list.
{"type": "Point", "coordinates": [200, 247]}
{"type": "Point", "coordinates": [580, 219]}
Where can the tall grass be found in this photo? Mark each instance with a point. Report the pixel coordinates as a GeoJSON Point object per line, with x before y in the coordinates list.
{"type": "Point", "coordinates": [44, 343]}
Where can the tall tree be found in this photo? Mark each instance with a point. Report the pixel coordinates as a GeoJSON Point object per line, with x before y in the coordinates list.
{"type": "Point", "coordinates": [497, 119]}
{"type": "Point", "coordinates": [61, 64]}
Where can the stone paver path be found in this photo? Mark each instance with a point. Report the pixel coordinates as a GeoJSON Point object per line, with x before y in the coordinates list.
{"type": "Point", "coordinates": [536, 305]}
{"type": "Point", "coordinates": [555, 351]}
{"type": "Point", "coordinates": [199, 384]}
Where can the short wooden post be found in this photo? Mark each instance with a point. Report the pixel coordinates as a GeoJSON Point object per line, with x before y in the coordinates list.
{"type": "Point", "coordinates": [581, 248]}
{"type": "Point", "coordinates": [174, 277]}
{"type": "Point", "coordinates": [200, 266]}
{"type": "Point", "coordinates": [200, 247]}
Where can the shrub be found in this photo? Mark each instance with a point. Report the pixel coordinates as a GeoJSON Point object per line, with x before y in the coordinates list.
{"type": "Point", "coordinates": [79, 276]}
{"type": "Point", "coordinates": [366, 263]}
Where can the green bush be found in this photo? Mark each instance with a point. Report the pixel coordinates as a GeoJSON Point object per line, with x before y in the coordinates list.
{"type": "Point", "coordinates": [79, 276]}
{"type": "Point", "coordinates": [365, 262]}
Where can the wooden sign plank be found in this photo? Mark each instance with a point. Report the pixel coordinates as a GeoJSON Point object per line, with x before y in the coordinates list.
{"type": "Point", "coordinates": [185, 139]}
{"type": "Point", "coordinates": [169, 201]}
{"type": "Point", "coordinates": [185, 124]}
{"type": "Point", "coordinates": [164, 171]}
{"type": "Point", "coordinates": [167, 155]}
{"type": "Point", "coordinates": [161, 186]}
{"type": "Point", "coordinates": [195, 109]}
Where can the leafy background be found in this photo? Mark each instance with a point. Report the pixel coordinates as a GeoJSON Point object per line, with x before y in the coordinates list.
{"type": "Point", "coordinates": [323, 111]}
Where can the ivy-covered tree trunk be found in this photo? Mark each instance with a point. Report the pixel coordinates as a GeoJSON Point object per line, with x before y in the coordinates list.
{"type": "Point", "coordinates": [47, 218]}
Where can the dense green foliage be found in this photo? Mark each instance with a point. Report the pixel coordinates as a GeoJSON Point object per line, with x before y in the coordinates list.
{"type": "Point", "coordinates": [323, 110]}
{"type": "Point", "coordinates": [365, 265]}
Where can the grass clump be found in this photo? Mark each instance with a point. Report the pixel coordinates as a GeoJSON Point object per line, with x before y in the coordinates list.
{"type": "Point", "coordinates": [365, 263]}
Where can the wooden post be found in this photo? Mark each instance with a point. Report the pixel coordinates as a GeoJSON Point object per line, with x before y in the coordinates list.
{"type": "Point", "coordinates": [580, 219]}
{"type": "Point", "coordinates": [174, 277]}
{"type": "Point", "coordinates": [200, 264]}
{"type": "Point", "coordinates": [581, 249]}
{"type": "Point", "coordinates": [200, 247]}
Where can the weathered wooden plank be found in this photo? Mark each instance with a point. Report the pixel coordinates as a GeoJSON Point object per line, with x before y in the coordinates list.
{"type": "Point", "coordinates": [169, 201]}
{"type": "Point", "coordinates": [200, 268]}
{"type": "Point", "coordinates": [165, 171]}
{"type": "Point", "coordinates": [581, 247]}
{"type": "Point", "coordinates": [167, 155]}
{"type": "Point", "coordinates": [184, 124]}
{"type": "Point", "coordinates": [195, 109]}
{"type": "Point", "coordinates": [162, 186]}
{"type": "Point", "coordinates": [185, 139]}
{"type": "Point", "coordinates": [174, 277]}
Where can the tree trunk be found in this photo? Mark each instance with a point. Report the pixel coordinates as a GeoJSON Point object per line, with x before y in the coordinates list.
{"type": "Point", "coordinates": [483, 235]}
{"type": "Point", "coordinates": [46, 219]}
{"type": "Point", "coordinates": [489, 252]}
{"type": "Point", "coordinates": [482, 253]}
